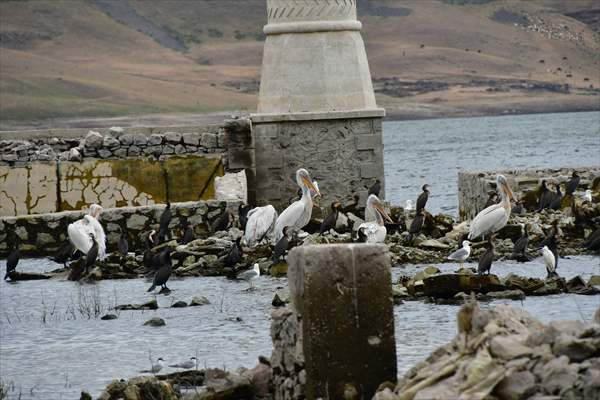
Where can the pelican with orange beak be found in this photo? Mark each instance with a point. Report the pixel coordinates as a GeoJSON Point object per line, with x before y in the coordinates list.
{"type": "Point", "coordinates": [494, 217]}
{"type": "Point", "coordinates": [297, 215]}
{"type": "Point", "coordinates": [374, 228]}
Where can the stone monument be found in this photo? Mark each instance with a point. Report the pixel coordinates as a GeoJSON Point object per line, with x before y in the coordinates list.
{"type": "Point", "coordinates": [316, 104]}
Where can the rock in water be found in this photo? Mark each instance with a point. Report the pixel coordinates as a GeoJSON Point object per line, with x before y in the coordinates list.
{"type": "Point", "coordinates": [155, 321]}
{"type": "Point", "coordinates": [199, 301]}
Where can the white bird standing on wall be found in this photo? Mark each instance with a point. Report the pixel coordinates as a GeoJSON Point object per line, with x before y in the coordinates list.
{"type": "Point", "coordinates": [374, 228]}
{"type": "Point", "coordinates": [260, 225]}
{"type": "Point", "coordinates": [494, 217]}
{"type": "Point", "coordinates": [79, 232]}
{"type": "Point", "coordinates": [297, 215]}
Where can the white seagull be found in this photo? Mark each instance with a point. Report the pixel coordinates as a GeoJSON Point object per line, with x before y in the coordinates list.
{"type": "Point", "coordinates": [297, 215]}
{"type": "Point", "coordinates": [79, 232]}
{"type": "Point", "coordinates": [374, 229]}
{"type": "Point", "coordinates": [588, 196]}
{"type": "Point", "coordinates": [250, 275]}
{"type": "Point", "coordinates": [461, 254]}
{"type": "Point", "coordinates": [549, 260]}
{"type": "Point", "coordinates": [260, 225]}
{"type": "Point", "coordinates": [495, 217]}
{"type": "Point", "coordinates": [408, 205]}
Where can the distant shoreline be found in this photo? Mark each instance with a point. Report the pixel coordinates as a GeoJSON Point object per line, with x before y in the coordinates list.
{"type": "Point", "coordinates": [217, 117]}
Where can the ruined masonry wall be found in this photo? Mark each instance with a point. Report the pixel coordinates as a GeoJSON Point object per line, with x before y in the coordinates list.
{"type": "Point", "coordinates": [287, 359]}
{"type": "Point", "coordinates": [344, 155]}
{"type": "Point", "coordinates": [43, 234]}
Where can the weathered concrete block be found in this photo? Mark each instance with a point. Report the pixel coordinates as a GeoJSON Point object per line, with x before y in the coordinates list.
{"type": "Point", "coordinates": [173, 137]}
{"type": "Point", "coordinates": [191, 139]}
{"type": "Point", "coordinates": [27, 190]}
{"type": "Point", "coordinates": [344, 295]}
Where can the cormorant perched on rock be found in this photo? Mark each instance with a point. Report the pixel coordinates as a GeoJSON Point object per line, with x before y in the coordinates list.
{"type": "Point", "coordinates": [353, 206]}
{"type": "Point", "coordinates": [557, 199]}
{"type": "Point", "coordinates": [13, 258]}
{"type": "Point", "coordinates": [520, 249]}
{"type": "Point", "coordinates": [546, 197]}
{"type": "Point", "coordinates": [123, 244]}
{"type": "Point", "coordinates": [361, 236]}
{"type": "Point", "coordinates": [188, 233]}
{"type": "Point", "coordinates": [243, 215]}
{"type": "Point", "coordinates": [423, 197]}
{"type": "Point", "coordinates": [164, 272]}
{"type": "Point", "coordinates": [223, 221]}
{"type": "Point", "coordinates": [486, 259]}
{"type": "Point", "coordinates": [165, 220]}
{"type": "Point", "coordinates": [572, 183]}
{"type": "Point", "coordinates": [234, 255]}
{"type": "Point", "coordinates": [593, 241]}
{"type": "Point", "coordinates": [64, 253]}
{"type": "Point", "coordinates": [417, 224]}
{"type": "Point", "coordinates": [550, 241]}
{"type": "Point", "coordinates": [518, 209]}
{"type": "Point", "coordinates": [375, 189]}
{"type": "Point", "coordinates": [331, 219]}
{"type": "Point", "coordinates": [92, 254]}
{"type": "Point", "coordinates": [550, 261]}
{"type": "Point", "coordinates": [281, 246]}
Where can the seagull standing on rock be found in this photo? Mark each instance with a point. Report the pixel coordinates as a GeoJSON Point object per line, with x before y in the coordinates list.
{"type": "Point", "coordinates": [461, 254]}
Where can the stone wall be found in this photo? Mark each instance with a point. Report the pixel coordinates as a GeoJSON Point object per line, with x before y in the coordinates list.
{"type": "Point", "coordinates": [60, 170]}
{"type": "Point", "coordinates": [345, 156]}
{"type": "Point", "coordinates": [287, 359]}
{"type": "Point", "coordinates": [473, 187]}
{"type": "Point", "coordinates": [42, 234]}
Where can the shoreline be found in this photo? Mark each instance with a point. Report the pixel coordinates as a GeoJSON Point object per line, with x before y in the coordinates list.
{"type": "Point", "coordinates": [211, 118]}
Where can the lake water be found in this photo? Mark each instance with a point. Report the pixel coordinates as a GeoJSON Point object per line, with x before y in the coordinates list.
{"type": "Point", "coordinates": [433, 151]}
{"type": "Point", "coordinates": [51, 349]}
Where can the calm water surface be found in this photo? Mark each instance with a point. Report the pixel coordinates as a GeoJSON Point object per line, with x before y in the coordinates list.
{"type": "Point", "coordinates": [50, 348]}
{"type": "Point", "coordinates": [433, 151]}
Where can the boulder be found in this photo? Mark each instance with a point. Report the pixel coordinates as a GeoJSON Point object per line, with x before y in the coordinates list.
{"type": "Point", "coordinates": [93, 140]}
{"type": "Point", "coordinates": [155, 321]}
{"type": "Point", "coordinates": [191, 139]}
{"type": "Point", "coordinates": [155, 139]}
{"type": "Point", "coordinates": [527, 285]}
{"type": "Point", "coordinates": [221, 385]}
{"type": "Point", "coordinates": [199, 301]}
{"type": "Point", "coordinates": [594, 280]}
{"type": "Point", "coordinates": [278, 270]}
{"type": "Point", "coordinates": [281, 298]}
{"type": "Point", "coordinates": [179, 304]}
{"type": "Point", "coordinates": [139, 139]}
{"type": "Point", "coordinates": [434, 244]}
{"type": "Point", "coordinates": [110, 142]}
{"type": "Point", "coordinates": [108, 317]}
{"type": "Point", "coordinates": [576, 349]}
{"type": "Point", "coordinates": [508, 347]}
{"type": "Point", "coordinates": [447, 285]}
{"type": "Point", "coordinates": [75, 155]}
{"type": "Point", "coordinates": [137, 222]}
{"type": "Point", "coordinates": [208, 140]}
{"type": "Point", "coordinates": [516, 386]}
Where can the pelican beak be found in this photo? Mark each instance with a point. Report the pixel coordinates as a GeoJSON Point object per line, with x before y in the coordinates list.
{"type": "Point", "coordinates": [383, 213]}
{"type": "Point", "coordinates": [509, 192]}
{"type": "Point", "coordinates": [310, 185]}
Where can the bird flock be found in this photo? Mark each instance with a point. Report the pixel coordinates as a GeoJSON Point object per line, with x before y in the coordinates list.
{"type": "Point", "coordinates": [263, 225]}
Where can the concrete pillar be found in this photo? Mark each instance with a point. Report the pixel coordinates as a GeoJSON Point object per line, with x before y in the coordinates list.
{"type": "Point", "coordinates": [316, 105]}
{"type": "Point", "coordinates": [343, 293]}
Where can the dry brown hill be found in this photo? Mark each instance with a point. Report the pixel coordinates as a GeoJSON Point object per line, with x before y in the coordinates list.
{"type": "Point", "coordinates": [102, 58]}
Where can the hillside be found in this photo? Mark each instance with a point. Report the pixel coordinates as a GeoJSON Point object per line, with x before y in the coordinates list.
{"type": "Point", "coordinates": [102, 58]}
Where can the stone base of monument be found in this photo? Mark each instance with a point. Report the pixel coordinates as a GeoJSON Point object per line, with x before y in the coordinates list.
{"type": "Point", "coordinates": [343, 295]}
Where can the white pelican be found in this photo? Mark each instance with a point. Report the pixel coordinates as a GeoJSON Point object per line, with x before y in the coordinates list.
{"type": "Point", "coordinates": [461, 254]}
{"type": "Point", "coordinates": [79, 232]}
{"type": "Point", "coordinates": [374, 230]}
{"type": "Point", "coordinates": [549, 260]}
{"type": "Point", "coordinates": [260, 224]}
{"type": "Point", "coordinates": [495, 217]}
{"type": "Point", "coordinates": [297, 215]}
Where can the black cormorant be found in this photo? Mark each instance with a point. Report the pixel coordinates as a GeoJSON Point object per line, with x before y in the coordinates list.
{"type": "Point", "coordinates": [423, 197]}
